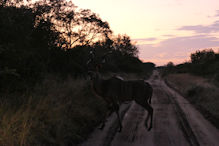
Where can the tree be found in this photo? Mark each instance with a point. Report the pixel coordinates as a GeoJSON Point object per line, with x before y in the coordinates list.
{"type": "Point", "coordinates": [56, 37]}
{"type": "Point", "coordinates": [25, 44]}
{"type": "Point", "coordinates": [170, 64]}
{"type": "Point", "coordinates": [123, 44]}
{"type": "Point", "coordinates": [200, 57]}
{"type": "Point", "coordinates": [76, 26]}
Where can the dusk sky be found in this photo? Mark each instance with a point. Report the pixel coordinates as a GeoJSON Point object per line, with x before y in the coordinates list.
{"type": "Point", "coordinates": [165, 30]}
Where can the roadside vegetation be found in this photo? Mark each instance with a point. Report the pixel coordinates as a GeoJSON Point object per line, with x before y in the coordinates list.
{"type": "Point", "coordinates": [198, 82]}
{"type": "Point", "coordinates": [45, 97]}
{"type": "Point", "coordinates": [56, 112]}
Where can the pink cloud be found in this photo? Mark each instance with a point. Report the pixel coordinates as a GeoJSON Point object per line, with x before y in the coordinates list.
{"type": "Point", "coordinates": [176, 49]}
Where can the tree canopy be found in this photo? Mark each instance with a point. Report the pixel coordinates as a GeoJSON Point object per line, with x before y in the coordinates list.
{"type": "Point", "coordinates": [56, 37]}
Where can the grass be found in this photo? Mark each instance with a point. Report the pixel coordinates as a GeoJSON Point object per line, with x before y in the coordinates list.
{"type": "Point", "coordinates": [56, 113]}
{"type": "Point", "coordinates": [199, 91]}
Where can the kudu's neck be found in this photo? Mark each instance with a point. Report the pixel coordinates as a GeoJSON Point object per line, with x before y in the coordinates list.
{"type": "Point", "coordinates": [97, 83]}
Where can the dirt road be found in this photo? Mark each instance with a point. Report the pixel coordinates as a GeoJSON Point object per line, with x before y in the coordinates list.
{"type": "Point", "coordinates": [176, 123]}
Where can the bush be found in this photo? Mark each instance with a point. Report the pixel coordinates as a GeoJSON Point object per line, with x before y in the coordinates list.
{"type": "Point", "coordinates": [200, 92]}
{"type": "Point", "coordinates": [56, 113]}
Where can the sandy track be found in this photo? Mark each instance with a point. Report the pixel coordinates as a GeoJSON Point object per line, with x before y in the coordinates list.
{"type": "Point", "coordinates": [176, 123]}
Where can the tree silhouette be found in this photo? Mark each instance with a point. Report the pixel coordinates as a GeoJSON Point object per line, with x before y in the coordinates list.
{"type": "Point", "coordinates": [56, 37]}
{"type": "Point", "coordinates": [76, 26]}
{"type": "Point", "coordinates": [202, 56]}
{"type": "Point", "coordinates": [123, 44]}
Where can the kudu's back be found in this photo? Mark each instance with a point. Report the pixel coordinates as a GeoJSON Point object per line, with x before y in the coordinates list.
{"type": "Point", "coordinates": [136, 90]}
{"type": "Point", "coordinates": [111, 89]}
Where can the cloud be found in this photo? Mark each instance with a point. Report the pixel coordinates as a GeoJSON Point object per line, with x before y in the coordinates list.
{"type": "Point", "coordinates": [168, 35]}
{"type": "Point", "coordinates": [146, 39]}
{"type": "Point", "coordinates": [202, 28]}
{"type": "Point", "coordinates": [176, 49]}
{"type": "Point", "coordinates": [217, 13]}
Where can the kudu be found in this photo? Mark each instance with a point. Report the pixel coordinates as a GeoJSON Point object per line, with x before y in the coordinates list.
{"type": "Point", "coordinates": [115, 90]}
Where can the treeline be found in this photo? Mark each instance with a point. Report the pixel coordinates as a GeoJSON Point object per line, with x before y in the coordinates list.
{"type": "Point", "coordinates": [203, 63]}
{"type": "Point", "coordinates": [56, 37]}
{"type": "Point", "coordinates": [44, 52]}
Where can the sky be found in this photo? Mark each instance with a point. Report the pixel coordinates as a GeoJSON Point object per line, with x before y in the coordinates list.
{"type": "Point", "coordinates": [163, 30]}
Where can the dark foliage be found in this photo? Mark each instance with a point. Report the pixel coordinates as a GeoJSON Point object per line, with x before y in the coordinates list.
{"type": "Point", "coordinates": [54, 37]}
{"type": "Point", "coordinates": [43, 47]}
{"type": "Point", "coordinates": [24, 47]}
{"type": "Point", "coordinates": [203, 63]}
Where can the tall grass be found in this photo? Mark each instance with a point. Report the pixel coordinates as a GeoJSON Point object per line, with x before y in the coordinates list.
{"type": "Point", "coordinates": [199, 91]}
{"type": "Point", "coordinates": [56, 113]}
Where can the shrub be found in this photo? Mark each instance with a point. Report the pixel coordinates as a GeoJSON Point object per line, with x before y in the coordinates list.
{"type": "Point", "coordinates": [56, 113]}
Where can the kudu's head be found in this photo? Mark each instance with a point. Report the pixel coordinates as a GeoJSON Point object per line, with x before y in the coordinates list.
{"type": "Point", "coordinates": [94, 65]}
{"type": "Point", "coordinates": [93, 75]}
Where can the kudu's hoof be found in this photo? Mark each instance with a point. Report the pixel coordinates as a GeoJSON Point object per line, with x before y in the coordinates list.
{"type": "Point", "coordinates": [149, 129]}
{"type": "Point", "coordinates": [120, 129]}
{"type": "Point", "coordinates": [101, 127]}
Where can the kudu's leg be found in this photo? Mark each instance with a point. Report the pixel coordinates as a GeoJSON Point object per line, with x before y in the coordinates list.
{"type": "Point", "coordinates": [109, 112]}
{"type": "Point", "coordinates": [116, 107]}
{"type": "Point", "coordinates": [150, 96]}
{"type": "Point", "coordinates": [150, 113]}
{"type": "Point", "coordinates": [149, 100]}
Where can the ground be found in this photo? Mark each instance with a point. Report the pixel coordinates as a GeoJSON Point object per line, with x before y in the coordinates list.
{"type": "Point", "coordinates": [176, 123]}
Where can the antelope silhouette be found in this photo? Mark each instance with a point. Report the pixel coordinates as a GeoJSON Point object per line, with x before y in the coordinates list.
{"type": "Point", "coordinates": [115, 91]}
